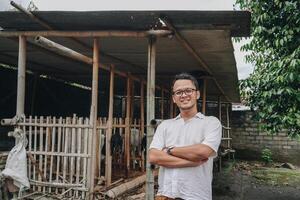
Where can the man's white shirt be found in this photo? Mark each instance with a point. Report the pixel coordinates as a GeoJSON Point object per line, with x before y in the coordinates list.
{"type": "Point", "coordinates": [189, 183]}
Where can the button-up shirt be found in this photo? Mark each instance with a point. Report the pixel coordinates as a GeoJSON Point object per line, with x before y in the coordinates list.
{"type": "Point", "coordinates": [189, 183]}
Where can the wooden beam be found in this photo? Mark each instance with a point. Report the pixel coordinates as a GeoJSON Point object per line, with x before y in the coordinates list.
{"type": "Point", "coordinates": [193, 52]}
{"type": "Point", "coordinates": [109, 130]}
{"type": "Point", "coordinates": [150, 112]}
{"type": "Point", "coordinates": [21, 76]}
{"type": "Point", "coordinates": [103, 33]}
{"type": "Point", "coordinates": [204, 96]}
{"type": "Point", "coordinates": [93, 119]}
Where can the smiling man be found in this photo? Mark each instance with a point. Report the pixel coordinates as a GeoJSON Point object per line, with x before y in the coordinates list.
{"type": "Point", "coordinates": [184, 147]}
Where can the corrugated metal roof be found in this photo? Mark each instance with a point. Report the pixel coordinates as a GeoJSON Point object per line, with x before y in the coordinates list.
{"type": "Point", "coordinates": [208, 32]}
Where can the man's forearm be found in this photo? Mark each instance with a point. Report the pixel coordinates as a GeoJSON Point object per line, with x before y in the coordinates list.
{"type": "Point", "coordinates": [195, 153]}
{"type": "Point", "coordinates": [161, 158]}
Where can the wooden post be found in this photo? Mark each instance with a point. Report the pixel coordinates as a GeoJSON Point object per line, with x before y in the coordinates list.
{"type": "Point", "coordinates": [108, 157]}
{"type": "Point", "coordinates": [171, 105]}
{"type": "Point", "coordinates": [162, 104]}
{"type": "Point", "coordinates": [93, 120]}
{"type": "Point", "coordinates": [220, 108]}
{"type": "Point", "coordinates": [142, 122]}
{"type": "Point", "coordinates": [150, 112]}
{"type": "Point", "coordinates": [21, 76]}
{"type": "Point", "coordinates": [127, 129]}
{"type": "Point", "coordinates": [227, 124]}
{"type": "Point", "coordinates": [204, 97]}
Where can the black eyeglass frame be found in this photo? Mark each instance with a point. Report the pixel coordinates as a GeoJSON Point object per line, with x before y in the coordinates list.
{"type": "Point", "coordinates": [179, 93]}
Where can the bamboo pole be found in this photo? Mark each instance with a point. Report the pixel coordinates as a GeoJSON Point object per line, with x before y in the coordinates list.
{"type": "Point", "coordinates": [73, 149]}
{"type": "Point", "coordinates": [204, 96]}
{"type": "Point", "coordinates": [86, 160]}
{"type": "Point", "coordinates": [103, 34]}
{"type": "Point", "coordinates": [35, 148]}
{"type": "Point", "coordinates": [220, 109]}
{"type": "Point", "coordinates": [142, 123]}
{"type": "Point", "coordinates": [61, 50]}
{"type": "Point", "coordinates": [66, 147]}
{"type": "Point", "coordinates": [150, 112]}
{"type": "Point", "coordinates": [41, 142]}
{"type": "Point", "coordinates": [127, 129]}
{"type": "Point", "coordinates": [21, 76]}
{"type": "Point", "coordinates": [46, 150]}
{"type": "Point", "coordinates": [58, 151]}
{"type": "Point", "coordinates": [109, 130]}
{"type": "Point", "coordinates": [162, 104]}
{"type": "Point", "coordinates": [93, 119]}
{"type": "Point", "coordinates": [29, 148]}
{"type": "Point", "coordinates": [227, 124]}
{"type": "Point", "coordinates": [78, 150]}
{"type": "Point", "coordinates": [53, 142]}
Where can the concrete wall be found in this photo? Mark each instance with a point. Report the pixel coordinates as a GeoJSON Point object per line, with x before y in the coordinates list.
{"type": "Point", "coordinates": [249, 140]}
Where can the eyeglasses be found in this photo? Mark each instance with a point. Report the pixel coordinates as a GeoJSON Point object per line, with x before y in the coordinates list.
{"type": "Point", "coordinates": [188, 91]}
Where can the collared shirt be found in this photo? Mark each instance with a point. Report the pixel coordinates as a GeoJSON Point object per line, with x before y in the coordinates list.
{"type": "Point", "coordinates": [189, 183]}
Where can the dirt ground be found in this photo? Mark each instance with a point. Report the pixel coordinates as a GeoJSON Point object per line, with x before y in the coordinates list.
{"type": "Point", "coordinates": [248, 180]}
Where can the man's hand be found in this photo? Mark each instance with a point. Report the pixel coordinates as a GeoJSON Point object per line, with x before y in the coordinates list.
{"type": "Point", "coordinates": [161, 158]}
{"type": "Point", "coordinates": [195, 153]}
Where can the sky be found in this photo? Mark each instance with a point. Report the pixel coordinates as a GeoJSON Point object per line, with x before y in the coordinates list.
{"type": "Point", "coordinates": [244, 69]}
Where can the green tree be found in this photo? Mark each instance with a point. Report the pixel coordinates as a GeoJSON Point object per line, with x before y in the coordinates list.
{"type": "Point", "coordinates": [273, 88]}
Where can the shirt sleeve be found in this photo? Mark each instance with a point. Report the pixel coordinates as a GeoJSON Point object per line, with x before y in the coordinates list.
{"type": "Point", "coordinates": [158, 141]}
{"type": "Point", "coordinates": [213, 134]}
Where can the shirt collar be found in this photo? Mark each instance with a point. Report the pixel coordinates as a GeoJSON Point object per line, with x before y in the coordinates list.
{"type": "Point", "coordinates": [198, 115]}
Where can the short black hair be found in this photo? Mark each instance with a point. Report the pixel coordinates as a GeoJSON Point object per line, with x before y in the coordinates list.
{"type": "Point", "coordinates": [185, 76]}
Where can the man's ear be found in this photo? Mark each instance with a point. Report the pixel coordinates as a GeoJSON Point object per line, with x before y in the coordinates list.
{"type": "Point", "coordinates": [173, 99]}
{"type": "Point", "coordinates": [198, 94]}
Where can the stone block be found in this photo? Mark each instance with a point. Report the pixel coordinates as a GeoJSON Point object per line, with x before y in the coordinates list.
{"type": "Point", "coordinates": [286, 147]}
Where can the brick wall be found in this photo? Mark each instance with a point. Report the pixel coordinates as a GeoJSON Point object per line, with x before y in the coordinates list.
{"type": "Point", "coordinates": [249, 140]}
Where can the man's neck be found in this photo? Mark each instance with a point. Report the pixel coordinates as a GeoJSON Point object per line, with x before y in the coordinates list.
{"type": "Point", "coordinates": [188, 114]}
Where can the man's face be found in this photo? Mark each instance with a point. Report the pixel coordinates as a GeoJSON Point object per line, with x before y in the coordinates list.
{"type": "Point", "coordinates": [185, 95]}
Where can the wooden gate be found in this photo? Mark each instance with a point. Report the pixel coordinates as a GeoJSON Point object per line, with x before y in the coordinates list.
{"type": "Point", "coordinates": [58, 156]}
